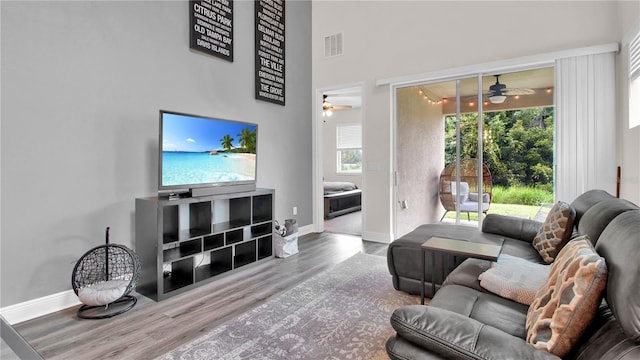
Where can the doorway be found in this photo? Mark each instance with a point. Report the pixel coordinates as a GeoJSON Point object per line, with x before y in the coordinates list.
{"type": "Point", "coordinates": [341, 149]}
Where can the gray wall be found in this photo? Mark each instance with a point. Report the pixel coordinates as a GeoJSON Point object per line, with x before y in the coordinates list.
{"type": "Point", "coordinates": [82, 83]}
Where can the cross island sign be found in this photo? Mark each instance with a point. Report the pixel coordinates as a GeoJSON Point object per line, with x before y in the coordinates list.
{"type": "Point", "coordinates": [212, 27]}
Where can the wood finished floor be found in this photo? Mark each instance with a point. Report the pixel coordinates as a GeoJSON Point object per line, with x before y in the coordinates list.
{"type": "Point", "coordinates": [151, 329]}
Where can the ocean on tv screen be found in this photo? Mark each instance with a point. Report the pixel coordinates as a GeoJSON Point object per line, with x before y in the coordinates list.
{"type": "Point", "coordinates": [190, 168]}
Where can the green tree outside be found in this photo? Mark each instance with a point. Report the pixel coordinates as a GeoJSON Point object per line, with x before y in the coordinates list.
{"type": "Point", "coordinates": [517, 145]}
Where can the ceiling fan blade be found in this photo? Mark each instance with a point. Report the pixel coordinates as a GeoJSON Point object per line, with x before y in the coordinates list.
{"type": "Point", "coordinates": [513, 92]}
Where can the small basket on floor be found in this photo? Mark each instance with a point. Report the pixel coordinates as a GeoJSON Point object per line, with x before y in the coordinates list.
{"type": "Point", "coordinates": [103, 279]}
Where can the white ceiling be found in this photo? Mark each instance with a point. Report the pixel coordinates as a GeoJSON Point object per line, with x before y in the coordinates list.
{"type": "Point", "coordinates": [345, 97]}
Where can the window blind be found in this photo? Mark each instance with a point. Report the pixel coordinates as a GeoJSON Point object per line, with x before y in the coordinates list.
{"type": "Point", "coordinates": [349, 136]}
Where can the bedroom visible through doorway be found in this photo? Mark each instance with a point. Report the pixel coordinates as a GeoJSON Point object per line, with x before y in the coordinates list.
{"type": "Point", "coordinates": [342, 162]}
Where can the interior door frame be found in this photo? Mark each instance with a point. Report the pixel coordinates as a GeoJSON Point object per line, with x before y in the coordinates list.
{"type": "Point", "coordinates": [318, 156]}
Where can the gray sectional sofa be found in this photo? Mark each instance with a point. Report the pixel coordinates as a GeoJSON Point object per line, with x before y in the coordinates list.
{"type": "Point", "coordinates": [464, 321]}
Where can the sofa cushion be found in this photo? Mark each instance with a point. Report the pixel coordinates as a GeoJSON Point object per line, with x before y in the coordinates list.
{"type": "Point", "coordinates": [586, 200]}
{"type": "Point", "coordinates": [565, 305]}
{"type": "Point", "coordinates": [619, 243]}
{"type": "Point", "coordinates": [467, 273]}
{"type": "Point", "coordinates": [487, 308]}
{"type": "Point", "coordinates": [427, 332]}
{"type": "Point", "coordinates": [555, 231]}
{"type": "Point", "coordinates": [596, 219]}
{"type": "Point", "coordinates": [514, 278]}
{"type": "Point", "coordinates": [509, 226]}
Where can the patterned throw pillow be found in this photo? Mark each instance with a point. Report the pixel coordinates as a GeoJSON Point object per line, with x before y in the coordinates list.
{"type": "Point", "coordinates": [566, 304]}
{"type": "Point", "coordinates": [555, 231]}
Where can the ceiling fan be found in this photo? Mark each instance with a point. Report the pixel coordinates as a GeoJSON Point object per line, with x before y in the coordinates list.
{"type": "Point", "coordinates": [498, 92]}
{"type": "Point", "coordinates": [328, 108]}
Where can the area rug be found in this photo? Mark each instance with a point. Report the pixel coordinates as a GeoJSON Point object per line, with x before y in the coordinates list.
{"type": "Point", "coordinates": [342, 313]}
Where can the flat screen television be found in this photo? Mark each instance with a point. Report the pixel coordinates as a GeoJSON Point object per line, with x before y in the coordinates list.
{"type": "Point", "coordinates": [206, 156]}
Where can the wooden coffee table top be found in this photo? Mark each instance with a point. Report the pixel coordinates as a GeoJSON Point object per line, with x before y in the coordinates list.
{"type": "Point", "coordinates": [464, 248]}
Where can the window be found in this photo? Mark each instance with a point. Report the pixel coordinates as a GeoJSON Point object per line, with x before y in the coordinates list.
{"type": "Point", "coordinates": [349, 148]}
{"type": "Point", "coordinates": [634, 75]}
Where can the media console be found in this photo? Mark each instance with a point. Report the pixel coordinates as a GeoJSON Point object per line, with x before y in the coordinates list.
{"type": "Point", "coordinates": [187, 242]}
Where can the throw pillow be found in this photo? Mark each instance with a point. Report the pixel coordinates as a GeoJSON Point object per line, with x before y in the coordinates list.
{"type": "Point", "coordinates": [514, 278]}
{"type": "Point", "coordinates": [567, 302]}
{"type": "Point", "coordinates": [555, 231]}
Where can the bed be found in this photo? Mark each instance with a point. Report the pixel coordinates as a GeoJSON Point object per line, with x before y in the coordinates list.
{"type": "Point", "coordinates": [341, 198]}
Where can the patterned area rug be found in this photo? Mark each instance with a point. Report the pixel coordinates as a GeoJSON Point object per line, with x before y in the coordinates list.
{"type": "Point", "coordinates": [342, 313]}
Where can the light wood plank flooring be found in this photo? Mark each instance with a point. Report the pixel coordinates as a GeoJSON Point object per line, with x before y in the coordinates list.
{"type": "Point", "coordinates": [151, 329]}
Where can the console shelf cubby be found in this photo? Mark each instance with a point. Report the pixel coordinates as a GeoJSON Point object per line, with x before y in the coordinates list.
{"type": "Point", "coordinates": [188, 242]}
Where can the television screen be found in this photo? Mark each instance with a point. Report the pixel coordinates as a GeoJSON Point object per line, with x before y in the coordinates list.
{"type": "Point", "coordinates": [200, 151]}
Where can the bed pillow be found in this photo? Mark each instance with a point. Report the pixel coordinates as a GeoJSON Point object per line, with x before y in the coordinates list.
{"type": "Point", "coordinates": [555, 231]}
{"type": "Point", "coordinates": [567, 302]}
{"type": "Point", "coordinates": [514, 278]}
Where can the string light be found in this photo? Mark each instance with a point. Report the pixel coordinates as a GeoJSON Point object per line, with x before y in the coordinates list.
{"type": "Point", "coordinates": [430, 99]}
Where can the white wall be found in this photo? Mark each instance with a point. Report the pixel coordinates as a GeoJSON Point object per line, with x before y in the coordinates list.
{"type": "Point", "coordinates": [330, 159]}
{"type": "Point", "coordinates": [407, 37]}
{"type": "Point", "coordinates": [420, 159]}
{"type": "Point", "coordinates": [629, 139]}
{"type": "Point", "coordinates": [82, 83]}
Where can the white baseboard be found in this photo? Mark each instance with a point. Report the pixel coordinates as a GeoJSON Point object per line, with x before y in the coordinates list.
{"type": "Point", "coordinates": [304, 230]}
{"type": "Point", "coordinates": [32, 309]}
{"type": "Point", "coordinates": [377, 237]}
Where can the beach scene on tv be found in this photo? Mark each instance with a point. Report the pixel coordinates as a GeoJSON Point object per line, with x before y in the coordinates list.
{"type": "Point", "coordinates": [206, 151]}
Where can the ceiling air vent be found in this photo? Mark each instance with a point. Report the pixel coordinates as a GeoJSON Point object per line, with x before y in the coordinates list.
{"type": "Point", "coordinates": [333, 45]}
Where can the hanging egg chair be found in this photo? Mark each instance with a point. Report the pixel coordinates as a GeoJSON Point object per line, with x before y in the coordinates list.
{"type": "Point", "coordinates": [467, 197]}
{"type": "Point", "coordinates": [103, 279]}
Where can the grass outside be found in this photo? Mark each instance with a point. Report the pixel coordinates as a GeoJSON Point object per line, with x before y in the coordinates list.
{"type": "Point", "coordinates": [521, 201]}
{"type": "Point", "coordinates": [527, 211]}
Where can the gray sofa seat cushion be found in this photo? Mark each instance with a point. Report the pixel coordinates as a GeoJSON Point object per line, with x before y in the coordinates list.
{"type": "Point", "coordinates": [467, 273]}
{"type": "Point", "coordinates": [398, 348]}
{"type": "Point", "coordinates": [489, 309]}
{"type": "Point", "coordinates": [404, 255]}
{"type": "Point", "coordinates": [454, 336]}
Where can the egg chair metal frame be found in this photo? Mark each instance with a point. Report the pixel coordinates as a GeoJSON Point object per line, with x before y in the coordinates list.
{"type": "Point", "coordinates": [468, 198]}
{"type": "Point", "coordinates": [111, 266]}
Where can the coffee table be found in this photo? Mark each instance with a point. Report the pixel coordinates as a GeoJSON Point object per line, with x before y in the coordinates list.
{"type": "Point", "coordinates": [454, 247]}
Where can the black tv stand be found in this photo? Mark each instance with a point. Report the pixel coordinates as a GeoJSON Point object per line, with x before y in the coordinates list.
{"type": "Point", "coordinates": [190, 241]}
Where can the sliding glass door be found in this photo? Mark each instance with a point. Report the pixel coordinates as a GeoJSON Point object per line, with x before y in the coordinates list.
{"type": "Point", "coordinates": [463, 143]}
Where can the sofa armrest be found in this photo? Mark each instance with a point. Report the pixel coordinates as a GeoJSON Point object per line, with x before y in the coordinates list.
{"type": "Point", "coordinates": [455, 336]}
{"type": "Point", "coordinates": [509, 226]}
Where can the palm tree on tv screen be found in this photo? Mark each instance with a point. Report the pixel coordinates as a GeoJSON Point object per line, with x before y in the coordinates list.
{"type": "Point", "coordinates": [248, 140]}
{"type": "Point", "coordinates": [227, 142]}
